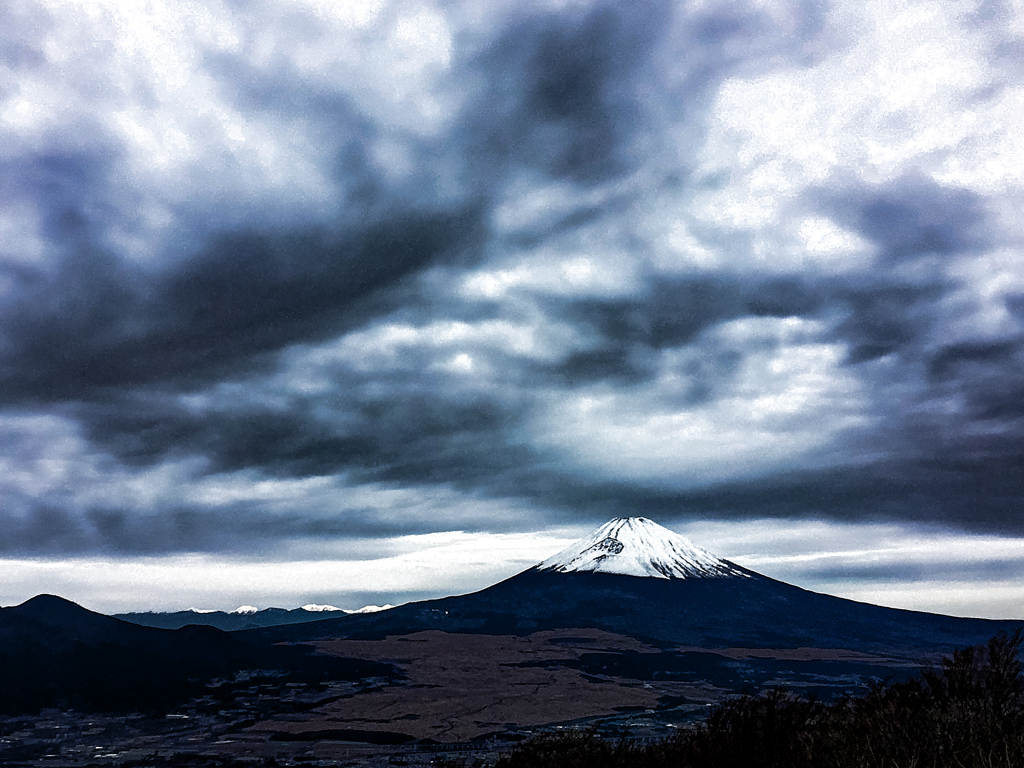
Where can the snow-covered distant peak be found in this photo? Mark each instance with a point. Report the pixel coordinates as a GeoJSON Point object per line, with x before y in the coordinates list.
{"type": "Point", "coordinates": [315, 608]}
{"type": "Point", "coordinates": [246, 609]}
{"type": "Point", "coordinates": [372, 608]}
{"type": "Point", "coordinates": [202, 610]}
{"type": "Point", "coordinates": [636, 546]}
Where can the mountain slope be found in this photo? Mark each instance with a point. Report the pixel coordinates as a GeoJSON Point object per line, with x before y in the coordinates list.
{"type": "Point", "coordinates": [55, 653]}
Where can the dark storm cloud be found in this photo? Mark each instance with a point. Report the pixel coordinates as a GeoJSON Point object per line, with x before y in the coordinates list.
{"type": "Point", "coordinates": [987, 375]}
{"type": "Point", "coordinates": [578, 94]}
{"type": "Point", "coordinates": [958, 419]}
{"type": "Point", "coordinates": [890, 489]}
{"type": "Point", "coordinates": [422, 425]}
{"type": "Point", "coordinates": [97, 323]}
{"type": "Point", "coordinates": [559, 93]}
{"type": "Point", "coordinates": [51, 530]}
{"type": "Point", "coordinates": [914, 217]}
{"type": "Point", "coordinates": [893, 310]}
{"type": "Point", "coordinates": [69, 187]}
{"type": "Point", "coordinates": [93, 321]}
{"type": "Point", "coordinates": [406, 432]}
{"type": "Point", "coordinates": [212, 348]}
{"type": "Point", "coordinates": [889, 316]}
{"type": "Point", "coordinates": [978, 498]}
{"type": "Point", "coordinates": [671, 312]}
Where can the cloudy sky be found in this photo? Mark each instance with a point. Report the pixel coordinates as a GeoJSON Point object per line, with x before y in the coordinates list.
{"type": "Point", "coordinates": [350, 302]}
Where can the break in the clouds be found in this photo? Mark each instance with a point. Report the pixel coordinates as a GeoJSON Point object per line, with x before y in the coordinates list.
{"type": "Point", "coordinates": [279, 272]}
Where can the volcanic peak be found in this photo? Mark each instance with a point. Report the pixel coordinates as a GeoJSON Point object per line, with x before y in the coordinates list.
{"type": "Point", "coordinates": [636, 546]}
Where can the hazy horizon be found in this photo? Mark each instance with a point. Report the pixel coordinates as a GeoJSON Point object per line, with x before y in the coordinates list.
{"type": "Point", "coordinates": [439, 565]}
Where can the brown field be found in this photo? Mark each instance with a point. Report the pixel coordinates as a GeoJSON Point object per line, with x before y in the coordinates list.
{"type": "Point", "coordinates": [463, 686]}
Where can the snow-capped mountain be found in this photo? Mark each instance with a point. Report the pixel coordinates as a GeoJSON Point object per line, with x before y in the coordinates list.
{"type": "Point", "coordinates": [371, 608]}
{"type": "Point", "coordinates": [635, 577]}
{"type": "Point", "coordinates": [314, 608]}
{"type": "Point", "coordinates": [636, 546]}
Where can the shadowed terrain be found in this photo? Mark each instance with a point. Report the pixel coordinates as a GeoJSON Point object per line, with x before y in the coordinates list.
{"type": "Point", "coordinates": [463, 686]}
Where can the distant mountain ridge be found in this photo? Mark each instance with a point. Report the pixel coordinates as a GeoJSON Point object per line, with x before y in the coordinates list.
{"type": "Point", "coordinates": [239, 619]}
{"type": "Point", "coordinates": [228, 621]}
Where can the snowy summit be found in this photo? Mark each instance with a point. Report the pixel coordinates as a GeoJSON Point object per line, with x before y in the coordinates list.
{"type": "Point", "coordinates": [636, 546]}
{"type": "Point", "coordinates": [371, 608]}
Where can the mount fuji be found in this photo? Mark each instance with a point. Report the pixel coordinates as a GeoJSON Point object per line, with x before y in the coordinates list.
{"type": "Point", "coordinates": [637, 578]}
{"type": "Point", "coordinates": [636, 546]}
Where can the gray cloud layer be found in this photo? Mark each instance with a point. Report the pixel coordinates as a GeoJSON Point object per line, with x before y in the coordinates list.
{"type": "Point", "coordinates": [471, 252]}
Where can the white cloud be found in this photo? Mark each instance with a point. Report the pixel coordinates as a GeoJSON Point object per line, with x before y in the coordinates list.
{"type": "Point", "coordinates": [139, 73]}
{"type": "Point", "coordinates": [183, 94]}
{"type": "Point", "coordinates": [875, 108]}
{"type": "Point", "coordinates": [786, 404]}
{"type": "Point", "coordinates": [556, 272]}
{"type": "Point", "coordinates": [350, 13]}
{"type": "Point", "coordinates": [395, 346]}
{"type": "Point", "coordinates": [42, 456]}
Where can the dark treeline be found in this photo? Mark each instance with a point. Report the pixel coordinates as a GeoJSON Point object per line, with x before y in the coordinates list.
{"type": "Point", "coordinates": [968, 714]}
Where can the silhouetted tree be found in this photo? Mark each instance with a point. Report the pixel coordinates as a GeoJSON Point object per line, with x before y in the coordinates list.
{"type": "Point", "coordinates": [967, 714]}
